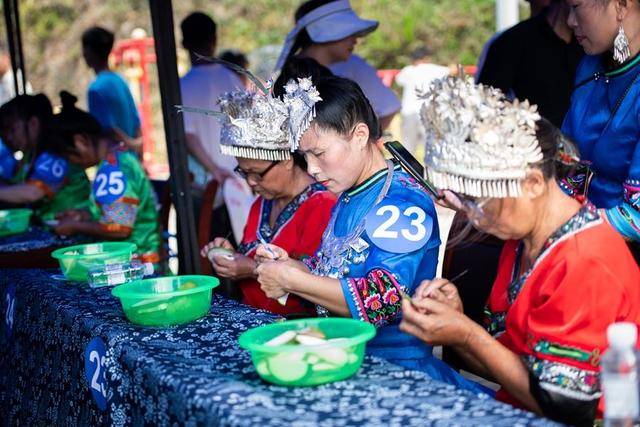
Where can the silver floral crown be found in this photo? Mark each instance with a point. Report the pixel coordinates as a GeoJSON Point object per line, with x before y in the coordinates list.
{"type": "Point", "coordinates": [478, 143]}
{"type": "Point", "coordinates": [254, 126]}
{"type": "Point", "coordinates": [300, 98]}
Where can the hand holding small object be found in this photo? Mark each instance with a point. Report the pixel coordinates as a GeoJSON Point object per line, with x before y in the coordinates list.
{"type": "Point", "coordinates": [275, 257]}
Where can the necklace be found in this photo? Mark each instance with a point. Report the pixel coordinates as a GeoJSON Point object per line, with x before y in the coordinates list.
{"type": "Point", "coordinates": [332, 248]}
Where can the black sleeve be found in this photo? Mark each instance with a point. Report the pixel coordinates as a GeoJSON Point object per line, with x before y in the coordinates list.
{"type": "Point", "coordinates": [562, 408]}
{"type": "Point", "coordinates": [499, 69]}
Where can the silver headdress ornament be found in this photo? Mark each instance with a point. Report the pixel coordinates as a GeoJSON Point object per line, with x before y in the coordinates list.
{"type": "Point", "coordinates": [300, 98]}
{"type": "Point", "coordinates": [478, 143]}
{"type": "Point", "coordinates": [255, 125]}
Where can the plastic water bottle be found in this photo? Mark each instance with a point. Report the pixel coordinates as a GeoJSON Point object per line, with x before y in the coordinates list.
{"type": "Point", "coordinates": [619, 370]}
{"type": "Point", "coordinates": [117, 274]}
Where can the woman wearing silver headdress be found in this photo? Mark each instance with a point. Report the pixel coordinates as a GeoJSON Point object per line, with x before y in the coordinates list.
{"type": "Point", "coordinates": [291, 210]}
{"type": "Point", "coordinates": [382, 238]}
{"type": "Point", "coordinates": [557, 290]}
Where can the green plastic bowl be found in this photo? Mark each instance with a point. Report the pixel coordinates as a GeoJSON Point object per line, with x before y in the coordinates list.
{"type": "Point", "coordinates": [304, 365]}
{"type": "Point", "coordinates": [14, 221]}
{"type": "Point", "coordinates": [75, 261]}
{"type": "Point", "coordinates": [166, 301]}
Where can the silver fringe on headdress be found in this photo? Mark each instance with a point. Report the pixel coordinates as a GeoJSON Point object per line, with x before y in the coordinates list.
{"type": "Point", "coordinates": [478, 143]}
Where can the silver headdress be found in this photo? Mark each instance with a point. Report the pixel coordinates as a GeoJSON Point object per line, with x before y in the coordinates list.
{"type": "Point", "coordinates": [478, 143]}
{"type": "Point", "coordinates": [255, 125]}
{"type": "Point", "coordinates": [300, 98]}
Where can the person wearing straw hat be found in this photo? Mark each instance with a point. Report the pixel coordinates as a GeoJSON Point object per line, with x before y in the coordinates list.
{"type": "Point", "coordinates": [328, 31]}
{"type": "Point", "coordinates": [291, 211]}
{"type": "Point", "coordinates": [556, 291]}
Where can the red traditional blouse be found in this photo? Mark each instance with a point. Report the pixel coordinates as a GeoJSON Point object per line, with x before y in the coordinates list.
{"type": "Point", "coordinates": [298, 230]}
{"type": "Point", "coordinates": [555, 315]}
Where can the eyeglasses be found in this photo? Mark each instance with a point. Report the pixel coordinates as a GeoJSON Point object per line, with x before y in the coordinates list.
{"type": "Point", "coordinates": [472, 207]}
{"type": "Point", "coordinates": [255, 176]}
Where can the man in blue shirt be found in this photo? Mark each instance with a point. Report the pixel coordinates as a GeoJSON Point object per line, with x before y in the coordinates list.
{"type": "Point", "coordinates": [109, 97]}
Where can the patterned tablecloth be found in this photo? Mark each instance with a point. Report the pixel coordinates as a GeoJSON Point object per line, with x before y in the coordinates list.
{"type": "Point", "coordinates": [35, 238]}
{"type": "Point", "coordinates": [190, 375]}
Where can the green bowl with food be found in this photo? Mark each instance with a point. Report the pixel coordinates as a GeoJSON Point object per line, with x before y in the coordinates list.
{"type": "Point", "coordinates": [75, 261]}
{"type": "Point", "coordinates": [166, 301]}
{"type": "Point", "coordinates": [308, 352]}
{"type": "Point", "coordinates": [14, 221]}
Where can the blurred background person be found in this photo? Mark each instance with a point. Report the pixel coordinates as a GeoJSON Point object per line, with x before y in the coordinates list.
{"type": "Point", "coordinates": [536, 60]}
{"type": "Point", "coordinates": [201, 87]}
{"type": "Point", "coordinates": [328, 31]}
{"type": "Point", "coordinates": [109, 98]}
{"type": "Point", "coordinates": [605, 110]}
{"type": "Point", "coordinates": [416, 77]}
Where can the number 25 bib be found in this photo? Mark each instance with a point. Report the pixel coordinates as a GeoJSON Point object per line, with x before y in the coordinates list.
{"type": "Point", "coordinates": [109, 185]}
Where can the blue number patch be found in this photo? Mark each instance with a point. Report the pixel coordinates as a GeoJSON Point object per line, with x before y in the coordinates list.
{"type": "Point", "coordinates": [398, 229]}
{"type": "Point", "coordinates": [94, 370]}
{"type": "Point", "coordinates": [109, 185]}
{"type": "Point", "coordinates": [50, 169]}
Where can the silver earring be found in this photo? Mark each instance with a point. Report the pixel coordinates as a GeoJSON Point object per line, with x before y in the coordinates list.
{"type": "Point", "coordinates": [621, 50]}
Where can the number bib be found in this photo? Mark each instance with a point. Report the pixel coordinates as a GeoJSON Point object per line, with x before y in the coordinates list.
{"type": "Point", "coordinates": [49, 168]}
{"type": "Point", "coordinates": [94, 370]}
{"type": "Point", "coordinates": [9, 310]}
{"type": "Point", "coordinates": [398, 229]}
{"type": "Point", "coordinates": [109, 185]}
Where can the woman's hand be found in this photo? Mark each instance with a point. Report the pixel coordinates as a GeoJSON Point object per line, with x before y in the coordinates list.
{"type": "Point", "coordinates": [236, 268]}
{"type": "Point", "coordinates": [435, 323]}
{"type": "Point", "coordinates": [449, 200]}
{"type": "Point", "coordinates": [73, 215]}
{"type": "Point", "coordinates": [218, 242]}
{"type": "Point", "coordinates": [273, 277]}
{"type": "Point", "coordinates": [270, 253]}
{"type": "Point", "coordinates": [441, 290]}
{"type": "Point", "coordinates": [66, 227]}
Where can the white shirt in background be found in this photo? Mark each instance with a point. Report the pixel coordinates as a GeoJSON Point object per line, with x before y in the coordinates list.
{"type": "Point", "coordinates": [413, 77]}
{"type": "Point", "coordinates": [201, 87]}
{"type": "Point", "coordinates": [383, 100]}
{"type": "Point", "coordinates": [7, 88]}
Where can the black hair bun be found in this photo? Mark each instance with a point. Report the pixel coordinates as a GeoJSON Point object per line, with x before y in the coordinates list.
{"type": "Point", "coordinates": [68, 100]}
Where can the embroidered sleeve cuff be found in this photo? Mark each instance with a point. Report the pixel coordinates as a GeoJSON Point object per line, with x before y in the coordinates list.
{"type": "Point", "coordinates": [122, 212]}
{"type": "Point", "coordinates": [626, 220]}
{"type": "Point", "coordinates": [374, 298]}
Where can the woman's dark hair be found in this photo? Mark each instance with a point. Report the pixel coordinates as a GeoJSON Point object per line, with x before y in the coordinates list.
{"type": "Point", "coordinates": [299, 161]}
{"type": "Point", "coordinates": [24, 107]}
{"type": "Point", "coordinates": [559, 153]}
{"type": "Point", "coordinates": [303, 40]}
{"type": "Point", "coordinates": [343, 106]}
{"type": "Point", "coordinates": [69, 122]}
{"type": "Point", "coordinates": [296, 67]}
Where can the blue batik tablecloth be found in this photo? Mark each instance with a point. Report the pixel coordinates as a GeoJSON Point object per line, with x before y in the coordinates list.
{"type": "Point", "coordinates": [193, 374]}
{"type": "Point", "coordinates": [35, 238]}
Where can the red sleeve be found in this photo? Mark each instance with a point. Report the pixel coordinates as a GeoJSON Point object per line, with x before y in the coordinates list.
{"type": "Point", "coordinates": [570, 307]}
{"type": "Point", "coordinates": [314, 216]}
{"type": "Point", "coordinates": [249, 233]}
